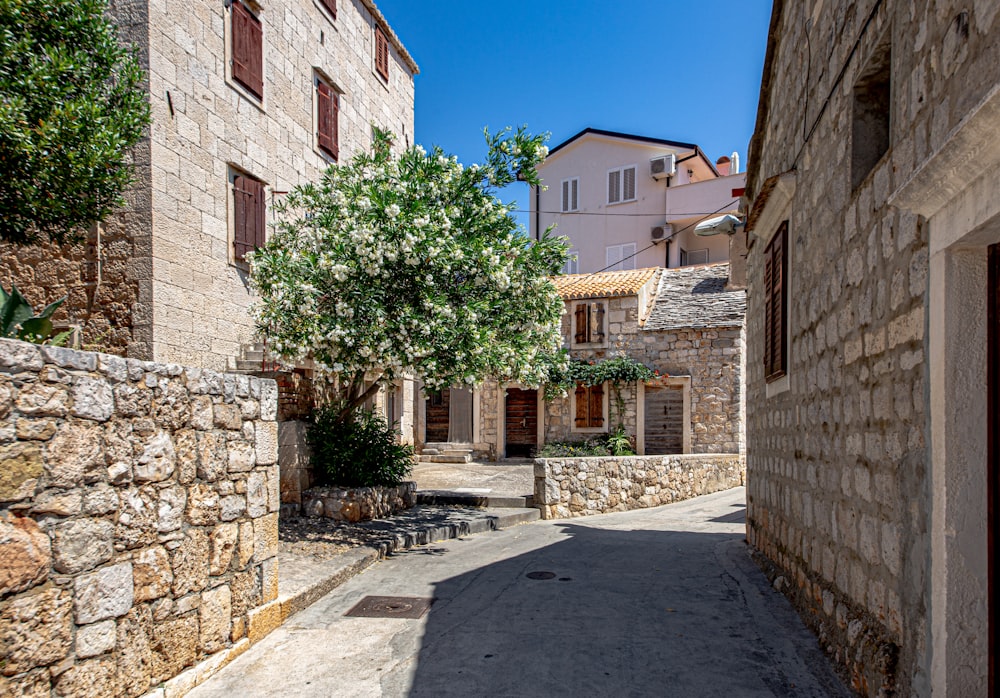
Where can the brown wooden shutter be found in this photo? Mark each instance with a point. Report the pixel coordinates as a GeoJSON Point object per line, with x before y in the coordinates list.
{"type": "Point", "coordinates": [247, 49]}
{"type": "Point", "coordinates": [582, 406]}
{"type": "Point", "coordinates": [597, 323]}
{"type": "Point", "coordinates": [331, 5]}
{"type": "Point", "coordinates": [381, 53]}
{"type": "Point", "coordinates": [248, 215]}
{"type": "Point", "coordinates": [326, 121]}
{"type": "Point", "coordinates": [768, 320]}
{"type": "Point", "coordinates": [581, 324]}
{"type": "Point", "coordinates": [775, 312]}
{"type": "Point", "coordinates": [335, 123]}
{"type": "Point", "coordinates": [596, 406]}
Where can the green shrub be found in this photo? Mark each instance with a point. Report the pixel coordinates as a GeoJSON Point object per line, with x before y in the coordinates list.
{"type": "Point", "coordinates": [361, 452]}
{"type": "Point", "coordinates": [18, 320]}
{"type": "Point", "coordinates": [616, 444]}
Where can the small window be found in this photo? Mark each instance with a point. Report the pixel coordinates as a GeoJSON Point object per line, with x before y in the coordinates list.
{"type": "Point", "coordinates": [589, 404]}
{"type": "Point", "coordinates": [381, 53]}
{"type": "Point", "coordinates": [689, 257]}
{"type": "Point", "coordinates": [327, 119]}
{"type": "Point", "coordinates": [572, 265]}
{"type": "Point", "coordinates": [248, 215]}
{"type": "Point", "coordinates": [621, 185]}
{"type": "Point", "coordinates": [775, 309]}
{"type": "Point", "coordinates": [620, 257]}
{"type": "Point", "coordinates": [571, 194]}
{"type": "Point", "coordinates": [588, 320]}
{"type": "Point", "coordinates": [331, 7]}
{"type": "Point", "coordinates": [870, 134]}
{"type": "Point", "coordinates": [247, 49]}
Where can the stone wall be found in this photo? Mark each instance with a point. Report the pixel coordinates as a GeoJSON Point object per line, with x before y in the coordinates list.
{"type": "Point", "coordinates": [568, 487]}
{"type": "Point", "coordinates": [839, 492]}
{"type": "Point", "coordinates": [359, 503]}
{"type": "Point", "coordinates": [138, 519]}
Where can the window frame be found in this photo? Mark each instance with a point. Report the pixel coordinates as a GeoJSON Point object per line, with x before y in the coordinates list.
{"type": "Point", "coordinates": [569, 191]}
{"type": "Point", "coordinates": [329, 8]}
{"type": "Point", "coordinates": [260, 215]}
{"type": "Point", "coordinates": [320, 81]}
{"type": "Point", "coordinates": [244, 83]}
{"type": "Point", "coordinates": [591, 307]}
{"type": "Point", "coordinates": [622, 259]}
{"type": "Point", "coordinates": [572, 265]}
{"type": "Point", "coordinates": [776, 305]}
{"type": "Point", "coordinates": [588, 391]}
{"type": "Point", "coordinates": [380, 53]}
{"type": "Point", "coordinates": [620, 172]}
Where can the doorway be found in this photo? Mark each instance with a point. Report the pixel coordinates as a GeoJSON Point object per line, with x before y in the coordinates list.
{"type": "Point", "coordinates": [448, 416]}
{"type": "Point", "coordinates": [521, 423]}
{"type": "Point", "coordinates": [664, 420]}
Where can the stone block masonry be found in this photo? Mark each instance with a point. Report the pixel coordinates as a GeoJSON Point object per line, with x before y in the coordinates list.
{"type": "Point", "coordinates": [359, 503]}
{"type": "Point", "coordinates": [569, 487]}
{"type": "Point", "coordinates": [138, 519]}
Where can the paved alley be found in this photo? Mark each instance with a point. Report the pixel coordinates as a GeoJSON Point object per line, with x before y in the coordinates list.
{"type": "Point", "coordinates": [662, 602]}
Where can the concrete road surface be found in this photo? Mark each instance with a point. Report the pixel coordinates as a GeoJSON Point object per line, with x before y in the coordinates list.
{"type": "Point", "coordinates": [661, 602]}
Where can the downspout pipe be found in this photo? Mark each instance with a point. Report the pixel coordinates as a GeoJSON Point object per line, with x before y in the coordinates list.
{"type": "Point", "coordinates": [538, 212]}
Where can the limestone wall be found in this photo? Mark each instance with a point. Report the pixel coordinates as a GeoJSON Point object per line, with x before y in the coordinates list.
{"type": "Point", "coordinates": [568, 487]}
{"type": "Point", "coordinates": [138, 519]}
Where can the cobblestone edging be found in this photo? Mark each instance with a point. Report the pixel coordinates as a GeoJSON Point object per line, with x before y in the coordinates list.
{"type": "Point", "coordinates": [568, 487]}
{"type": "Point", "coordinates": [358, 503]}
{"type": "Point", "coordinates": [138, 519]}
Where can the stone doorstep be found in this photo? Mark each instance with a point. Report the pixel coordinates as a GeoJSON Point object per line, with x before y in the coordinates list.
{"type": "Point", "coordinates": [472, 499]}
{"type": "Point", "coordinates": [296, 594]}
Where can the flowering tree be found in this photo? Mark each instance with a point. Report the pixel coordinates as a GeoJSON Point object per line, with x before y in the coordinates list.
{"type": "Point", "coordinates": [408, 265]}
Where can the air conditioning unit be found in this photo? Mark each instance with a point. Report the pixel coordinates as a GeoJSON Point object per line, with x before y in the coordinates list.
{"type": "Point", "coordinates": [663, 166]}
{"type": "Point", "coordinates": [661, 232]}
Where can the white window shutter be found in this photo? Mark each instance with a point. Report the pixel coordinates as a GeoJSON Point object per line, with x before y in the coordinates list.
{"type": "Point", "coordinates": [628, 177]}
{"type": "Point", "coordinates": [613, 258]}
{"type": "Point", "coordinates": [614, 187]}
{"type": "Point", "coordinates": [575, 195]}
{"type": "Point", "coordinates": [565, 195]}
{"type": "Point", "coordinates": [628, 256]}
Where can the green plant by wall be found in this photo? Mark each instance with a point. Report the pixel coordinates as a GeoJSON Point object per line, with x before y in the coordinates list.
{"type": "Point", "coordinates": [71, 107]}
{"type": "Point", "coordinates": [617, 371]}
{"type": "Point", "coordinates": [361, 452]}
{"type": "Point", "coordinates": [18, 320]}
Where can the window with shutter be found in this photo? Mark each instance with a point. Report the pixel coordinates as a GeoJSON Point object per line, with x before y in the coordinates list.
{"type": "Point", "coordinates": [621, 184]}
{"type": "Point", "coordinates": [571, 194]}
{"type": "Point", "coordinates": [620, 257]}
{"type": "Point", "coordinates": [589, 406]}
{"type": "Point", "coordinates": [331, 6]}
{"type": "Point", "coordinates": [248, 215]}
{"type": "Point", "coordinates": [589, 323]}
{"type": "Point", "coordinates": [628, 184]}
{"type": "Point", "coordinates": [775, 308]}
{"type": "Point", "coordinates": [614, 187]}
{"type": "Point", "coordinates": [327, 116]}
{"type": "Point", "coordinates": [572, 265]}
{"type": "Point", "coordinates": [381, 53]}
{"type": "Point", "coordinates": [247, 49]}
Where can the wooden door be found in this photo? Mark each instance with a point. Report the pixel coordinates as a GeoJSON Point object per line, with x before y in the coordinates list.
{"type": "Point", "coordinates": [664, 414]}
{"type": "Point", "coordinates": [521, 419]}
{"type": "Point", "coordinates": [438, 405]}
{"type": "Point", "coordinates": [993, 465]}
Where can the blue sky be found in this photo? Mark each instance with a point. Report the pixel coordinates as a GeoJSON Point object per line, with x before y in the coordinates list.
{"type": "Point", "coordinates": [678, 69]}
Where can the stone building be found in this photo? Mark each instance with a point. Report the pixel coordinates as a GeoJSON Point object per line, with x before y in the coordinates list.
{"type": "Point", "coordinates": [248, 100]}
{"type": "Point", "coordinates": [872, 325]}
{"type": "Point", "coordinates": [684, 322]}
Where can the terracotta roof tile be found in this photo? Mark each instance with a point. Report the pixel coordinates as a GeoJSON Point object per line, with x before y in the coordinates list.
{"type": "Point", "coordinates": [603, 284]}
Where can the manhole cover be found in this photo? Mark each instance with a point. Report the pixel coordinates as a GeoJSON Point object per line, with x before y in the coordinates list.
{"type": "Point", "coordinates": [541, 575]}
{"type": "Point", "coordinates": [390, 607]}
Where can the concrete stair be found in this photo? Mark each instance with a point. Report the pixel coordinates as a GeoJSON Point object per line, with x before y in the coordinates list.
{"type": "Point", "coordinates": [255, 358]}
{"type": "Point", "coordinates": [445, 453]}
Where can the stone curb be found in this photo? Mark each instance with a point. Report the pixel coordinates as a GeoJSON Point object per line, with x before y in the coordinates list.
{"type": "Point", "coordinates": [266, 618]}
{"type": "Point", "coordinates": [462, 499]}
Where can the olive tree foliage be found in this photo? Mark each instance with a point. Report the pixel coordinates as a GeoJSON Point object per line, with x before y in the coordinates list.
{"type": "Point", "coordinates": [408, 265]}
{"type": "Point", "coordinates": [71, 107]}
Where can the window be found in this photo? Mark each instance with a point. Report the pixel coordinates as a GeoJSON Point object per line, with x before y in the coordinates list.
{"type": "Point", "coordinates": [871, 114]}
{"type": "Point", "coordinates": [381, 53]}
{"type": "Point", "coordinates": [775, 310]}
{"type": "Point", "coordinates": [331, 7]}
{"type": "Point", "coordinates": [248, 214]}
{"type": "Point", "coordinates": [572, 265]}
{"type": "Point", "coordinates": [689, 257]}
{"type": "Point", "coordinates": [571, 194]}
{"type": "Point", "coordinates": [589, 406]}
{"type": "Point", "coordinates": [620, 257]}
{"type": "Point", "coordinates": [327, 118]}
{"type": "Point", "coordinates": [621, 185]}
{"type": "Point", "coordinates": [247, 49]}
{"type": "Point", "coordinates": [589, 323]}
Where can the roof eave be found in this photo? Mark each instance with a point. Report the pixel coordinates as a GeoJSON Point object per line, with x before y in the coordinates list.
{"type": "Point", "coordinates": [391, 35]}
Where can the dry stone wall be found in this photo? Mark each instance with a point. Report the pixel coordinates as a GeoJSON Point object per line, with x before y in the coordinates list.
{"type": "Point", "coordinates": [138, 519]}
{"type": "Point", "coordinates": [569, 487]}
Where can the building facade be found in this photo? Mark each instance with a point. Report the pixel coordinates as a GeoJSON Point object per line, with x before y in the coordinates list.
{"type": "Point", "coordinates": [872, 321]}
{"type": "Point", "coordinates": [632, 202]}
{"type": "Point", "coordinates": [248, 100]}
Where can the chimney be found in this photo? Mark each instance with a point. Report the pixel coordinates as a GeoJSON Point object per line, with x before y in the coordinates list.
{"type": "Point", "coordinates": [723, 164]}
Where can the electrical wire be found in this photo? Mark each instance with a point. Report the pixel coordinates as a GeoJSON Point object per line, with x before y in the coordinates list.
{"type": "Point", "coordinates": [647, 247]}
{"type": "Point", "coordinates": [734, 202]}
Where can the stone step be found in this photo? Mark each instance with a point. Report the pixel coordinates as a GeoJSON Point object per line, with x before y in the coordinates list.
{"type": "Point", "coordinates": [471, 499]}
{"type": "Point", "coordinates": [443, 458]}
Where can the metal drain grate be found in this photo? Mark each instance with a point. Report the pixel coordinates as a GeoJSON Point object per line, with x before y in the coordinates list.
{"type": "Point", "coordinates": [390, 607]}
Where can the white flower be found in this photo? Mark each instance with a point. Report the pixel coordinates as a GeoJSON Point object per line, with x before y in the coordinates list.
{"type": "Point", "coordinates": [392, 210]}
